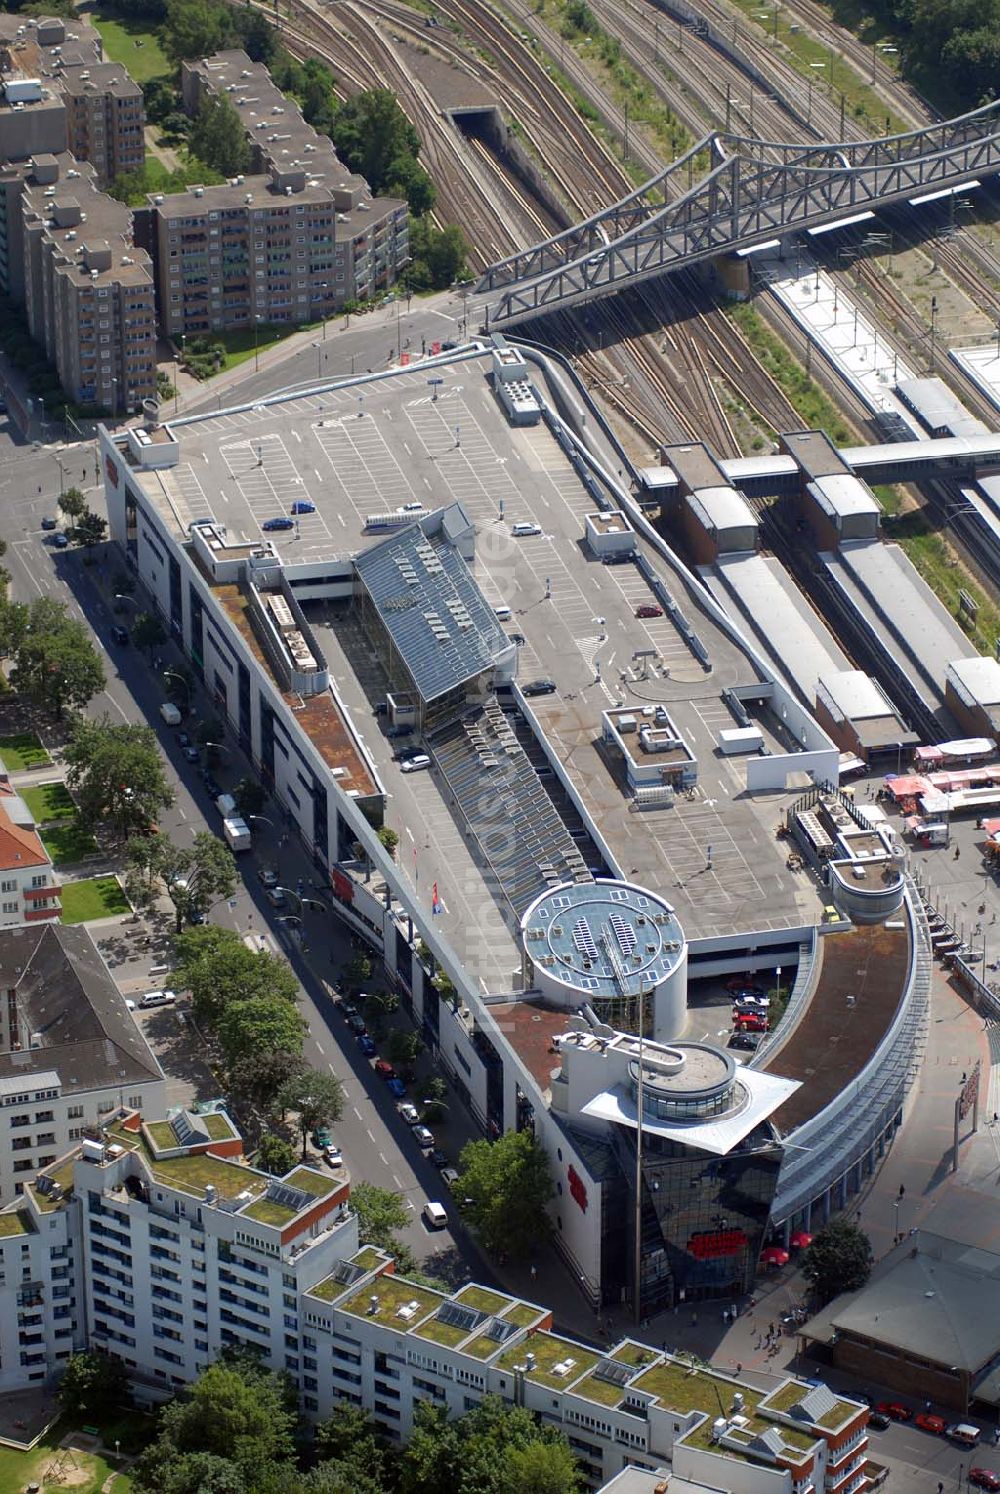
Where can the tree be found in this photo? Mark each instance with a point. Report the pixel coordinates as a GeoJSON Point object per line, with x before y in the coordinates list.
{"type": "Point", "coordinates": [506, 1184]}
{"type": "Point", "coordinates": [92, 1384]}
{"type": "Point", "coordinates": [257, 1081]}
{"type": "Point", "coordinates": [838, 1260]}
{"type": "Point", "coordinates": [403, 1046]}
{"type": "Point", "coordinates": [350, 1446]}
{"type": "Point", "coordinates": [372, 135]}
{"type": "Point", "coordinates": [234, 1412]}
{"type": "Point", "coordinates": [72, 503]}
{"type": "Point", "coordinates": [193, 28]}
{"type": "Point", "coordinates": [14, 623]}
{"type": "Point", "coordinates": [90, 529]}
{"type": "Point", "coordinates": [148, 632]}
{"type": "Point", "coordinates": [486, 1451]}
{"type": "Point", "coordinates": [380, 1213]}
{"type": "Point", "coordinates": [438, 255]}
{"type": "Point", "coordinates": [55, 663]}
{"type": "Point", "coordinates": [200, 877]}
{"type": "Point", "coordinates": [389, 838]}
{"type": "Point", "coordinates": [377, 1006]}
{"type": "Point", "coordinates": [146, 858]}
{"type": "Point", "coordinates": [117, 776]}
{"type": "Point", "coordinates": [275, 1155]}
{"type": "Point", "coordinates": [250, 797]}
{"type": "Point", "coordinates": [218, 138]}
{"type": "Point", "coordinates": [219, 970]}
{"type": "Point", "coordinates": [317, 1098]}
{"type": "Point", "coordinates": [358, 970]}
{"type": "Point", "coordinates": [260, 1025]}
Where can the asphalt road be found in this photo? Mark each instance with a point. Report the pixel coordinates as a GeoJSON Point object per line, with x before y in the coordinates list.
{"type": "Point", "coordinates": [376, 1143]}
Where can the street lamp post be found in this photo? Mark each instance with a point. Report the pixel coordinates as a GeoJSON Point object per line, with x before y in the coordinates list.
{"type": "Point", "coordinates": [173, 675]}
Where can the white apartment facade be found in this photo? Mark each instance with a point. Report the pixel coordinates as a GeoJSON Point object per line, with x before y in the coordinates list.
{"type": "Point", "coordinates": [156, 1243]}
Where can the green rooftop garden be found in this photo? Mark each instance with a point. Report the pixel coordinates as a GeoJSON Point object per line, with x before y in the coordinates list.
{"type": "Point", "coordinates": [393, 1292]}
{"type": "Point", "coordinates": [683, 1391]}
{"type": "Point", "coordinates": [602, 1391]}
{"type": "Point", "coordinates": [218, 1126]}
{"type": "Point", "coordinates": [63, 1175]}
{"type": "Point", "coordinates": [368, 1258]}
{"type": "Point", "coordinates": [268, 1211]}
{"type": "Point", "coordinates": [192, 1173]}
{"type": "Point", "coordinates": [12, 1224]}
{"type": "Point", "coordinates": [632, 1353]}
{"type": "Point", "coordinates": [161, 1134]}
{"type": "Point", "coordinates": [483, 1300]}
{"type": "Point", "coordinates": [521, 1315]}
{"type": "Point", "coordinates": [549, 1352]}
{"type": "Point", "coordinates": [441, 1333]}
{"type": "Point", "coordinates": [309, 1181]}
{"type": "Point", "coordinates": [482, 1347]}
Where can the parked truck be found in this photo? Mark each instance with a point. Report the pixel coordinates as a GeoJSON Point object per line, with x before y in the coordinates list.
{"type": "Point", "coordinates": [237, 833]}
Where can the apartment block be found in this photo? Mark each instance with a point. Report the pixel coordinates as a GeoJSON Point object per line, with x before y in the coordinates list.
{"type": "Point", "coordinates": [29, 892]}
{"type": "Point", "coordinates": [88, 290]}
{"type": "Point", "coordinates": [70, 1051]}
{"type": "Point", "coordinates": [104, 119]}
{"type": "Point", "coordinates": [345, 244]}
{"type": "Point", "coordinates": [261, 249]}
{"type": "Point", "coordinates": [154, 1241]}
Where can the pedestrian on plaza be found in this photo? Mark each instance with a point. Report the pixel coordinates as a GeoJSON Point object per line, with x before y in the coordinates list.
{"type": "Point", "coordinates": [725, 1316]}
{"type": "Point", "coordinates": [534, 1273]}
{"type": "Point", "coordinates": [739, 1369]}
{"type": "Point", "coordinates": [958, 852]}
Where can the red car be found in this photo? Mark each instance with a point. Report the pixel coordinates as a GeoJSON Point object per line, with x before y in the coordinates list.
{"type": "Point", "coordinates": [648, 610]}
{"type": "Point", "coordinates": [384, 1069]}
{"type": "Point", "coordinates": [749, 1022]}
{"type": "Point", "coordinates": [928, 1422]}
{"type": "Point", "coordinates": [894, 1409]}
{"type": "Point", "coordinates": [984, 1478]}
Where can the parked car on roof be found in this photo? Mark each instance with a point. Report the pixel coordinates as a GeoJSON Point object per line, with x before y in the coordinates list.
{"type": "Point", "coordinates": [269, 526]}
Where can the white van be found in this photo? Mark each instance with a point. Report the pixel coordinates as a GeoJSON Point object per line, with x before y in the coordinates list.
{"type": "Point", "coordinates": [170, 713]}
{"type": "Point", "coordinates": [964, 1434]}
{"type": "Point", "coordinates": [435, 1215]}
{"type": "Point", "coordinates": [503, 613]}
{"type": "Point", "coordinates": [519, 531]}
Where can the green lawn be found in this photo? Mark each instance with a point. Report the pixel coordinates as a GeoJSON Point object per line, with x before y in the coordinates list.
{"type": "Point", "coordinates": [120, 34]}
{"type": "Point", "coordinates": [18, 1469]}
{"type": "Point", "coordinates": [23, 751]}
{"type": "Point", "coordinates": [49, 801]}
{"type": "Point", "coordinates": [68, 842]}
{"type": "Point", "coordinates": [99, 897]}
{"type": "Point", "coordinates": [239, 341]}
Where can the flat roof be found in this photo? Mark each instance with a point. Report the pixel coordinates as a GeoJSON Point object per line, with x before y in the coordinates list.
{"type": "Point", "coordinates": [814, 454]}
{"type": "Point", "coordinates": [844, 495]}
{"type": "Point", "coordinates": [834, 1038]}
{"type": "Point", "coordinates": [978, 678]}
{"type": "Point", "coordinates": [721, 508]}
{"type": "Point", "coordinates": [250, 193]}
{"type": "Point", "coordinates": [933, 1298]}
{"type": "Point", "coordinates": [794, 637]}
{"type": "Point", "coordinates": [855, 694]}
{"type": "Point", "coordinates": [603, 936]}
{"type": "Point", "coordinates": [695, 466]}
{"type": "Point", "coordinates": [108, 225]}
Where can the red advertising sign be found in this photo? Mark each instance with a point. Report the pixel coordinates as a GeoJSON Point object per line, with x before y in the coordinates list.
{"type": "Point", "coordinates": [111, 469]}
{"type": "Point", "coordinates": [404, 359]}
{"type": "Point", "coordinates": [435, 349]}
{"type": "Point", "coordinates": [577, 1188]}
{"type": "Point", "coordinates": [343, 887]}
{"type": "Point", "coordinates": [717, 1243]}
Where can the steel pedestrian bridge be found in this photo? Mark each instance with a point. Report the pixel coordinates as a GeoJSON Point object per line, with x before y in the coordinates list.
{"type": "Point", "coordinates": [752, 191]}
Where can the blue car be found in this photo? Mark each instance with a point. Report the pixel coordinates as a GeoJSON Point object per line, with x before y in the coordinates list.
{"type": "Point", "coordinates": [269, 525]}
{"type": "Point", "coordinates": [303, 506]}
{"type": "Point", "coordinates": [367, 1045]}
{"type": "Point", "coordinates": [397, 1088]}
{"type": "Point", "coordinates": [60, 540]}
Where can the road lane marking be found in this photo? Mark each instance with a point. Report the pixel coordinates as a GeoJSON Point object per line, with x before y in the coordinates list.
{"type": "Point", "coordinates": [319, 1049]}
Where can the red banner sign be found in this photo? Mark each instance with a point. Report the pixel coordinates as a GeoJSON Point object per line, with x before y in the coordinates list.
{"type": "Point", "coordinates": [111, 468]}
{"type": "Point", "coordinates": [577, 1188]}
{"type": "Point", "coordinates": [716, 1244]}
{"type": "Point", "coordinates": [343, 887]}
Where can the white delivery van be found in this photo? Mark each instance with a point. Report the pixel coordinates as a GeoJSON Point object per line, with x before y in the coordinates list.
{"type": "Point", "coordinates": [503, 613]}
{"type": "Point", "coordinates": [435, 1215]}
{"type": "Point", "coordinates": [170, 713]}
{"type": "Point", "coordinates": [237, 833]}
